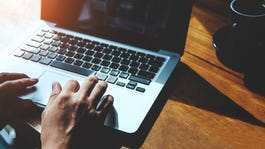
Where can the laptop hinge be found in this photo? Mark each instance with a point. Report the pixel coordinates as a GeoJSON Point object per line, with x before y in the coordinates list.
{"type": "Point", "coordinates": [51, 24]}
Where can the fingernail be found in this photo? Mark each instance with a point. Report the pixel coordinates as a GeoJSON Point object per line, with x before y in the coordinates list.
{"type": "Point", "coordinates": [34, 79]}
{"type": "Point", "coordinates": [54, 86]}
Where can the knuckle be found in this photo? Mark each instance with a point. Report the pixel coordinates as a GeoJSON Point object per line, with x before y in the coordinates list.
{"type": "Point", "coordinates": [74, 82]}
{"type": "Point", "coordinates": [92, 79]}
{"type": "Point", "coordinates": [65, 96]}
{"type": "Point", "coordinates": [103, 84]}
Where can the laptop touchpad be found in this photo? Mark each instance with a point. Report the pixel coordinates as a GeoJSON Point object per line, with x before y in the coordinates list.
{"type": "Point", "coordinates": [44, 86]}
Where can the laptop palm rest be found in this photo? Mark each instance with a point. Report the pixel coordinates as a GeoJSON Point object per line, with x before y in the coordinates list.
{"type": "Point", "coordinates": [44, 87]}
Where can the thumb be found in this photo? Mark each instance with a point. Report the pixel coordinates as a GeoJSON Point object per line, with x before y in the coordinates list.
{"type": "Point", "coordinates": [56, 90]}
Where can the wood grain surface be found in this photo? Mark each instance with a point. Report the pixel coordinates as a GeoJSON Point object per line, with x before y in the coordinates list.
{"type": "Point", "coordinates": [210, 106]}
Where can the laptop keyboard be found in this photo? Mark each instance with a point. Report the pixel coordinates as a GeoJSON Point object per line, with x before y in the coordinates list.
{"type": "Point", "coordinates": [83, 56]}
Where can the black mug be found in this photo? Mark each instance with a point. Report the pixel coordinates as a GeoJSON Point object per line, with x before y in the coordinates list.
{"type": "Point", "coordinates": [248, 32]}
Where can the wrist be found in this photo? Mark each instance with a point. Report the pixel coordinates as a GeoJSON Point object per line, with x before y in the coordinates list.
{"type": "Point", "coordinates": [62, 143]}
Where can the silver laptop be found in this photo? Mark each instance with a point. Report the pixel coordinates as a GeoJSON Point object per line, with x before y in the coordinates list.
{"type": "Point", "coordinates": [134, 45]}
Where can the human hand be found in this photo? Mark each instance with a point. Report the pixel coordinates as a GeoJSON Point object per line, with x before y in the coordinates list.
{"type": "Point", "coordinates": [67, 107]}
{"type": "Point", "coordinates": [11, 86]}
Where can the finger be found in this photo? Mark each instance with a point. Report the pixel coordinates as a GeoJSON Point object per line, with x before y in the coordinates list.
{"type": "Point", "coordinates": [56, 90]}
{"type": "Point", "coordinates": [97, 93]}
{"type": "Point", "coordinates": [12, 88]}
{"type": "Point", "coordinates": [71, 86]}
{"type": "Point", "coordinates": [11, 76]}
{"type": "Point", "coordinates": [105, 107]}
{"type": "Point", "coordinates": [88, 85]}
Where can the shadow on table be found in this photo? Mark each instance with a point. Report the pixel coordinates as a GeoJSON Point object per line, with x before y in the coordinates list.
{"type": "Point", "coordinates": [195, 91]}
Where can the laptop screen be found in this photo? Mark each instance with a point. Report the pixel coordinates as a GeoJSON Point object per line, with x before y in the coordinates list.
{"type": "Point", "coordinates": [150, 24]}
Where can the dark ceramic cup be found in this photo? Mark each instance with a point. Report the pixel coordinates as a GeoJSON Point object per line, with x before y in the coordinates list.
{"type": "Point", "coordinates": [248, 31]}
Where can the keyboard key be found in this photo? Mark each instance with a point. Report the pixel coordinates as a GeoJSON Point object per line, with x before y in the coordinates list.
{"type": "Point", "coordinates": [124, 75]}
{"type": "Point", "coordinates": [120, 84]}
{"type": "Point", "coordinates": [33, 44]}
{"type": "Point", "coordinates": [143, 60]}
{"type": "Point", "coordinates": [150, 56]}
{"type": "Point", "coordinates": [71, 68]}
{"type": "Point", "coordinates": [144, 66]}
{"type": "Point", "coordinates": [90, 46]}
{"type": "Point", "coordinates": [116, 53]}
{"type": "Point", "coordinates": [134, 64]}
{"type": "Point", "coordinates": [53, 49]}
{"type": "Point", "coordinates": [107, 57]}
{"type": "Point", "coordinates": [27, 56]}
{"type": "Point", "coordinates": [105, 63]}
{"type": "Point", "coordinates": [113, 47]}
{"type": "Point", "coordinates": [112, 79]}
{"type": "Point", "coordinates": [133, 70]}
{"type": "Point", "coordinates": [125, 55]}
{"type": "Point", "coordinates": [146, 74]}
{"type": "Point", "coordinates": [61, 51]}
{"type": "Point", "coordinates": [69, 60]}
{"type": "Point", "coordinates": [87, 58]}
{"type": "Point", "coordinates": [72, 48]}
{"type": "Point", "coordinates": [96, 67]}
{"type": "Point", "coordinates": [70, 54]}
{"type": "Point", "coordinates": [107, 50]}
{"type": "Point", "coordinates": [56, 44]}
{"type": "Point", "coordinates": [123, 68]}
{"type": "Point", "coordinates": [134, 57]}
{"type": "Point", "coordinates": [125, 62]}
{"type": "Point", "coordinates": [44, 47]}
{"type": "Point", "coordinates": [38, 39]}
{"type": "Point", "coordinates": [116, 59]}
{"type": "Point", "coordinates": [78, 63]}
{"type": "Point", "coordinates": [161, 59]}
{"type": "Point", "coordinates": [47, 41]}
{"type": "Point", "coordinates": [43, 53]}
{"type": "Point", "coordinates": [41, 34]}
{"type": "Point", "coordinates": [48, 35]}
{"type": "Point", "coordinates": [140, 79]}
{"type": "Point", "coordinates": [140, 89]}
{"type": "Point", "coordinates": [64, 46]}
{"type": "Point", "coordinates": [153, 69]}
{"type": "Point", "coordinates": [102, 76]}
{"type": "Point", "coordinates": [61, 58]}
{"type": "Point", "coordinates": [98, 55]}
{"type": "Point", "coordinates": [105, 70]}
{"type": "Point", "coordinates": [155, 63]}
{"type": "Point", "coordinates": [132, 83]}
{"type": "Point", "coordinates": [96, 61]}
{"type": "Point", "coordinates": [30, 49]}
{"type": "Point", "coordinates": [36, 58]}
{"type": "Point", "coordinates": [78, 56]}
{"type": "Point", "coordinates": [87, 65]}
{"type": "Point", "coordinates": [114, 72]}
{"type": "Point", "coordinates": [45, 61]}
{"type": "Point", "coordinates": [19, 53]}
{"type": "Point", "coordinates": [52, 55]}
{"type": "Point", "coordinates": [130, 86]}
{"type": "Point", "coordinates": [81, 50]}
{"type": "Point", "coordinates": [90, 53]}
{"type": "Point", "coordinates": [114, 65]}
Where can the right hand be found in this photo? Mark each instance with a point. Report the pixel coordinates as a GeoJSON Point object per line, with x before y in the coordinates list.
{"type": "Point", "coordinates": [68, 106]}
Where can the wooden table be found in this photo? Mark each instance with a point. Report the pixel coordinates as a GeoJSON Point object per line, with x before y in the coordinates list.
{"type": "Point", "coordinates": [210, 106]}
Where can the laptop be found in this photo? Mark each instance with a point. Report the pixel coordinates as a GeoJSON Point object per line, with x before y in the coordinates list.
{"type": "Point", "coordinates": [134, 45]}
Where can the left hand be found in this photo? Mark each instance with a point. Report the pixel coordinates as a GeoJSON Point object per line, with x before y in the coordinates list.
{"type": "Point", "coordinates": [13, 85]}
